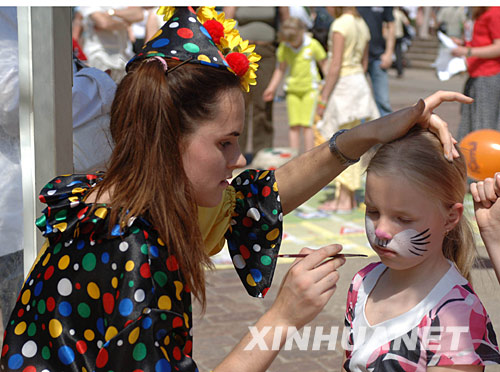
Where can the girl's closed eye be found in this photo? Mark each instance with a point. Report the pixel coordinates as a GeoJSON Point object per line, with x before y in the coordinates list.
{"type": "Point", "coordinates": [225, 144]}
{"type": "Point", "coordinates": [405, 220]}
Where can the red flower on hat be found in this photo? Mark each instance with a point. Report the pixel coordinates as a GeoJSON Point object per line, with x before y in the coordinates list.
{"type": "Point", "coordinates": [215, 29]}
{"type": "Point", "coordinates": [238, 63]}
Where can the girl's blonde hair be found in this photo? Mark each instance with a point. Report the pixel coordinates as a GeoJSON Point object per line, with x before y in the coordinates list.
{"type": "Point", "coordinates": [290, 29]}
{"type": "Point", "coordinates": [418, 157]}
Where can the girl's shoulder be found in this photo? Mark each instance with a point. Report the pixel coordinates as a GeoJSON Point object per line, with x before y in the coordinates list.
{"type": "Point", "coordinates": [456, 303]}
{"type": "Point", "coordinates": [460, 300]}
{"type": "Point", "coordinates": [368, 268]}
{"type": "Point", "coordinates": [465, 333]}
{"type": "Point", "coordinates": [358, 278]}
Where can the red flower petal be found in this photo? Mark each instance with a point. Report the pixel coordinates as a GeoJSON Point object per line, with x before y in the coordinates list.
{"type": "Point", "coordinates": [238, 63]}
{"type": "Point", "coordinates": [215, 29]}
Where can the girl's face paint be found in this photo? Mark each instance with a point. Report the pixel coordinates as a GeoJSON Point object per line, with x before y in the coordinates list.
{"type": "Point", "coordinates": [404, 226]}
{"type": "Point", "coordinates": [407, 243]}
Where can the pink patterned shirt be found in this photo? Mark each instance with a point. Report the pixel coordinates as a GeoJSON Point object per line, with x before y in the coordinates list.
{"type": "Point", "coordinates": [449, 326]}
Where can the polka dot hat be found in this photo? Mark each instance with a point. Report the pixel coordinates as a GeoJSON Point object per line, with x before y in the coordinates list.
{"type": "Point", "coordinates": [205, 37]}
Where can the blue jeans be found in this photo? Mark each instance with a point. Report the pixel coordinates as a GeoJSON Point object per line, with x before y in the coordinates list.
{"type": "Point", "coordinates": [380, 84]}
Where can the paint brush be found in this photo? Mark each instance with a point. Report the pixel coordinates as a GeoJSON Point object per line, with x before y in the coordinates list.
{"type": "Point", "coordinates": [295, 255]}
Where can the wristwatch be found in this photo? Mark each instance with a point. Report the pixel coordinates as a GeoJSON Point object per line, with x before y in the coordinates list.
{"type": "Point", "coordinates": [332, 144]}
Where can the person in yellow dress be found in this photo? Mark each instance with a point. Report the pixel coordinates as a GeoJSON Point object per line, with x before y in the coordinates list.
{"type": "Point", "coordinates": [346, 98]}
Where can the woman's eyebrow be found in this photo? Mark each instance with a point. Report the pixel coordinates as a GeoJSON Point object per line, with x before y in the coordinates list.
{"type": "Point", "coordinates": [235, 134]}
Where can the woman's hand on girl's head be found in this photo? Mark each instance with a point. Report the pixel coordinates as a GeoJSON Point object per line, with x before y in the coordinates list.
{"type": "Point", "coordinates": [437, 125]}
{"type": "Point", "coordinates": [397, 124]}
{"type": "Point", "coordinates": [307, 287]}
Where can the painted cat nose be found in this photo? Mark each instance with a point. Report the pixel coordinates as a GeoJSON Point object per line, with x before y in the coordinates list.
{"type": "Point", "coordinates": [382, 235]}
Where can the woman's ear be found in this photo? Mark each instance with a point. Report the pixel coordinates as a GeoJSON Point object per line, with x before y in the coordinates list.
{"type": "Point", "coordinates": [453, 216]}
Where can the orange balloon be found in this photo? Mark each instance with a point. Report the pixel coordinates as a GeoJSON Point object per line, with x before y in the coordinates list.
{"type": "Point", "coordinates": [481, 150]}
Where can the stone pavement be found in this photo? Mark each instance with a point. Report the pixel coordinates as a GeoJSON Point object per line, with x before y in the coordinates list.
{"type": "Point", "coordinates": [230, 310]}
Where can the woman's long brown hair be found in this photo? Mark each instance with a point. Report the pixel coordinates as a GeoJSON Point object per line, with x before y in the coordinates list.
{"type": "Point", "coordinates": [151, 116]}
{"type": "Point", "coordinates": [419, 158]}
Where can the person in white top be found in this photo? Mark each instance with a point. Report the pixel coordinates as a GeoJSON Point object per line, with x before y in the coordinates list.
{"type": "Point", "coordinates": [416, 309]}
{"type": "Point", "coordinates": [106, 39]}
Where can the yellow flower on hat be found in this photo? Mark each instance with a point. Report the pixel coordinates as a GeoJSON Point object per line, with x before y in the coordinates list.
{"type": "Point", "coordinates": [233, 43]}
{"type": "Point", "coordinates": [166, 11]}
{"type": "Point", "coordinates": [250, 76]}
{"type": "Point", "coordinates": [243, 61]}
{"type": "Point", "coordinates": [204, 13]}
{"type": "Point", "coordinates": [238, 53]}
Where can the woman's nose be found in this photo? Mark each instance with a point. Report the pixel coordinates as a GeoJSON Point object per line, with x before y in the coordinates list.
{"type": "Point", "coordinates": [240, 161]}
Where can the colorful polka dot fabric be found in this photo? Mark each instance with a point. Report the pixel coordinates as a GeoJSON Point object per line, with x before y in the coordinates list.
{"type": "Point", "coordinates": [115, 300]}
{"type": "Point", "coordinates": [181, 38]}
{"type": "Point", "coordinates": [254, 236]}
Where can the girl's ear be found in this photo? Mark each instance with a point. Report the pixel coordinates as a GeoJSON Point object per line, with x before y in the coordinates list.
{"type": "Point", "coordinates": [453, 216]}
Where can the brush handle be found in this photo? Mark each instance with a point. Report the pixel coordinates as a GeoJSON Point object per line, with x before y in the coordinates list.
{"type": "Point", "coordinates": [295, 255]}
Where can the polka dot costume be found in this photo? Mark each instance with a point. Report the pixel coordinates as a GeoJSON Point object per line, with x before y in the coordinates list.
{"type": "Point", "coordinates": [110, 299]}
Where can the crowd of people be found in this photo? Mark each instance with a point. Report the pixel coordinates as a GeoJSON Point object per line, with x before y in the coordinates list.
{"type": "Point", "coordinates": [163, 102]}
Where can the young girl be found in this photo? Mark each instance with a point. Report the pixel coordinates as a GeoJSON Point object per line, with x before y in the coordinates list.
{"type": "Point", "coordinates": [416, 308]}
{"type": "Point", "coordinates": [298, 55]}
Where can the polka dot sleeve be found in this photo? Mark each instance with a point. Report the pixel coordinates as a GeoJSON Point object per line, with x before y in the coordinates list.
{"type": "Point", "coordinates": [100, 298]}
{"type": "Point", "coordinates": [255, 232]}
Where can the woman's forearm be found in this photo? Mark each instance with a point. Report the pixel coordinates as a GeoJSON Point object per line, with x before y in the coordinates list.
{"type": "Point", "coordinates": [488, 51]}
{"type": "Point", "coordinates": [492, 245]}
{"type": "Point", "coordinates": [255, 352]}
{"type": "Point", "coordinates": [302, 177]}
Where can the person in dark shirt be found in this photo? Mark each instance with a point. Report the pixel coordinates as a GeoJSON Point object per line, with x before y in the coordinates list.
{"type": "Point", "coordinates": [380, 52]}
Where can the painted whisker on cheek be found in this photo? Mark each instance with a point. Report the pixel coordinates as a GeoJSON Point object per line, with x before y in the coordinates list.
{"type": "Point", "coordinates": [419, 236]}
{"type": "Point", "coordinates": [420, 239]}
{"type": "Point", "coordinates": [415, 253]}
{"type": "Point", "coordinates": [419, 249]}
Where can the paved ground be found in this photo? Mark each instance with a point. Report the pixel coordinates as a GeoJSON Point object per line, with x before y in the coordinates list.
{"type": "Point", "coordinates": [230, 310]}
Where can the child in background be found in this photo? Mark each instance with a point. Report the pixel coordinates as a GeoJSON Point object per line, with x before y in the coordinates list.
{"type": "Point", "coordinates": [414, 223]}
{"type": "Point", "coordinates": [298, 55]}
